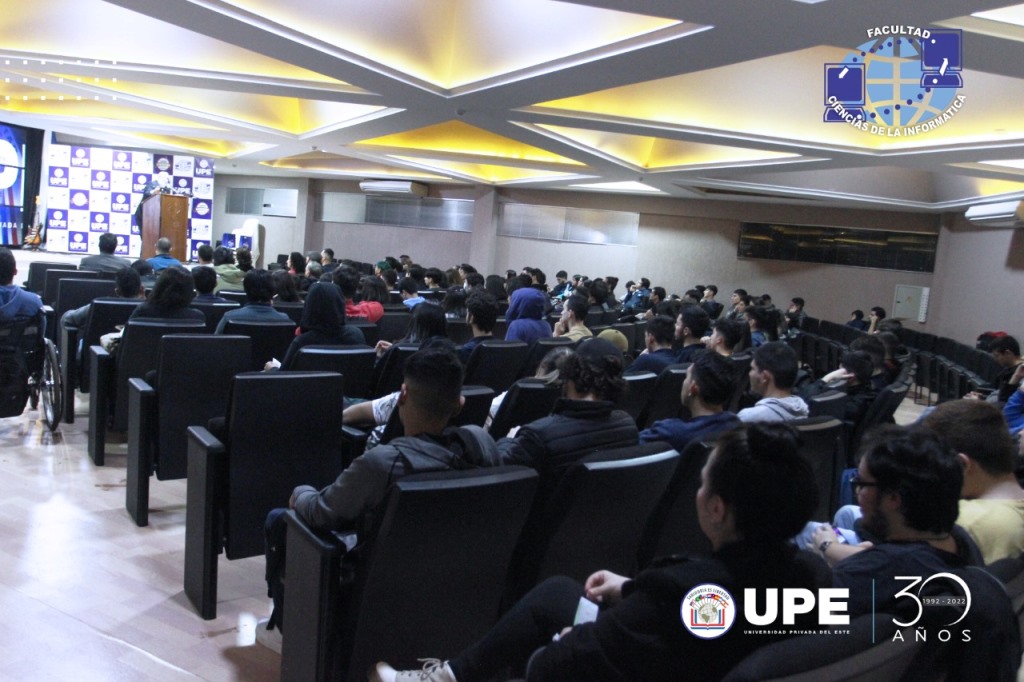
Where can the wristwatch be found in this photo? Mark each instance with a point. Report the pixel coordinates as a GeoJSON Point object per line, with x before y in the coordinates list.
{"type": "Point", "coordinates": [824, 545]}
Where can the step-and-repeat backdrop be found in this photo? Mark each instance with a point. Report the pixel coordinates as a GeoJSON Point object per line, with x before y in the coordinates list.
{"type": "Point", "coordinates": [91, 190]}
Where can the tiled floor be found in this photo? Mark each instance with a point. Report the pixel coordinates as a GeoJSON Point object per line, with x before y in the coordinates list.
{"type": "Point", "coordinates": [86, 595]}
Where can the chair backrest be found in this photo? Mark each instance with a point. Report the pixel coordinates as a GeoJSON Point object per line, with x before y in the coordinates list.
{"type": "Point", "coordinates": [823, 447]}
{"type": "Point", "coordinates": [54, 275]}
{"type": "Point", "coordinates": [389, 371]}
{"type": "Point", "coordinates": [74, 292]}
{"type": "Point", "coordinates": [620, 492]}
{"type": "Point", "coordinates": [627, 329]}
{"type": "Point", "coordinates": [269, 339]}
{"type": "Point", "coordinates": [665, 401]}
{"type": "Point", "coordinates": [194, 376]}
{"type": "Point", "coordinates": [36, 279]}
{"type": "Point", "coordinates": [283, 430]}
{"type": "Point", "coordinates": [434, 573]}
{"type": "Point", "coordinates": [638, 392]}
{"type": "Point", "coordinates": [527, 400]}
{"type": "Point", "coordinates": [238, 297]}
{"type": "Point", "coordinates": [880, 412]}
{"type": "Point", "coordinates": [355, 363]}
{"type": "Point", "coordinates": [292, 309]}
{"type": "Point", "coordinates": [741, 368]}
{"type": "Point", "coordinates": [538, 349]}
{"type": "Point", "coordinates": [476, 406]}
{"type": "Point", "coordinates": [459, 331]}
{"type": "Point", "coordinates": [673, 527]}
{"type": "Point", "coordinates": [139, 353]}
{"type": "Point", "coordinates": [369, 329]}
{"type": "Point", "coordinates": [496, 363]}
{"type": "Point", "coordinates": [214, 311]}
{"type": "Point", "coordinates": [830, 403]}
{"type": "Point", "coordinates": [104, 317]}
{"type": "Point", "coordinates": [393, 324]}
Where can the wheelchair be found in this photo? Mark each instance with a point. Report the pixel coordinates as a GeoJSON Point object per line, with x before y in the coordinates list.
{"type": "Point", "coordinates": [29, 370]}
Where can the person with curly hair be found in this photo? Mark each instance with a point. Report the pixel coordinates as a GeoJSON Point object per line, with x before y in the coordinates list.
{"type": "Point", "coordinates": [583, 421]}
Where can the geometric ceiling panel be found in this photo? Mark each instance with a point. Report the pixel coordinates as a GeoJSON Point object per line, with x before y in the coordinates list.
{"type": "Point", "coordinates": [453, 43]}
{"type": "Point", "coordinates": [653, 153]}
{"type": "Point", "coordinates": [488, 173]}
{"type": "Point", "coordinates": [461, 138]}
{"type": "Point", "coordinates": [343, 165]}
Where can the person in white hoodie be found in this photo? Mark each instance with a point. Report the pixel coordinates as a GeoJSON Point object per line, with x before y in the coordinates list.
{"type": "Point", "coordinates": [772, 375]}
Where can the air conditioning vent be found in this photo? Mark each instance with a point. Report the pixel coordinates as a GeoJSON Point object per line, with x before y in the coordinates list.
{"type": "Point", "coordinates": [1005, 214]}
{"type": "Point", "coordinates": [393, 188]}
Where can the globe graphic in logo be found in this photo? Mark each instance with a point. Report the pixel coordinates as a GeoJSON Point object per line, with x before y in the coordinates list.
{"type": "Point", "coordinates": [894, 96]}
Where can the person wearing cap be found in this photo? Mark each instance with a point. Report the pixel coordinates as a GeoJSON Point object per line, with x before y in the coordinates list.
{"type": "Point", "coordinates": [582, 421]}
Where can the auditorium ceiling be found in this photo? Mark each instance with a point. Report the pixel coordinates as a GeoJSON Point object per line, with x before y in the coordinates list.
{"type": "Point", "coordinates": [714, 99]}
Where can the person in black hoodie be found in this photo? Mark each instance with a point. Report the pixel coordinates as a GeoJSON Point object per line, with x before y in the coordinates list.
{"type": "Point", "coordinates": [638, 633]}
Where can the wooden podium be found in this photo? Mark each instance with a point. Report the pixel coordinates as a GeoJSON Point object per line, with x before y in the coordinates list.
{"type": "Point", "coordinates": [165, 215]}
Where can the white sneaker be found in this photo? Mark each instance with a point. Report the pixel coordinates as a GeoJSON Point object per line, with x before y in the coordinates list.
{"type": "Point", "coordinates": [271, 639]}
{"type": "Point", "coordinates": [434, 670]}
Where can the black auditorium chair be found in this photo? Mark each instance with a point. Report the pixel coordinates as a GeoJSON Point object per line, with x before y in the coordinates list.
{"type": "Point", "coordinates": [620, 487]}
{"type": "Point", "coordinates": [369, 329]}
{"type": "Point", "coordinates": [214, 312]}
{"type": "Point", "coordinates": [292, 309]}
{"type": "Point", "coordinates": [831, 403]}
{"type": "Point", "coordinates": [428, 579]}
{"type": "Point", "coordinates": [269, 339]}
{"type": "Point", "coordinates": [279, 432]}
{"type": "Point", "coordinates": [136, 354]}
{"type": "Point", "coordinates": [639, 388]}
{"type": "Point", "coordinates": [54, 276]}
{"type": "Point", "coordinates": [527, 400]}
{"type": "Point", "coordinates": [73, 293]}
{"type": "Point", "coordinates": [105, 315]}
{"type": "Point", "coordinates": [665, 401]}
{"type": "Point", "coordinates": [540, 348]}
{"type": "Point", "coordinates": [673, 527]}
{"type": "Point", "coordinates": [238, 297]}
{"type": "Point", "coordinates": [496, 363]}
{"type": "Point", "coordinates": [459, 331]}
{"type": "Point", "coordinates": [823, 446]}
{"type": "Point", "coordinates": [393, 324]}
{"type": "Point", "coordinates": [388, 372]}
{"type": "Point", "coordinates": [882, 411]}
{"type": "Point", "coordinates": [37, 274]}
{"type": "Point", "coordinates": [191, 385]}
{"type": "Point", "coordinates": [355, 363]}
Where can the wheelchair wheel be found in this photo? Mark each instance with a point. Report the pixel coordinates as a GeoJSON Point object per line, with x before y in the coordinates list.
{"type": "Point", "coordinates": [50, 388]}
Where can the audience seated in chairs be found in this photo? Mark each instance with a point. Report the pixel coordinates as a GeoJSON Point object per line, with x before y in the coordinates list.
{"type": "Point", "coordinates": [583, 421]}
{"type": "Point", "coordinates": [658, 353]}
{"type": "Point", "coordinates": [14, 301]}
{"type": "Point", "coordinates": [259, 290]}
{"type": "Point", "coordinates": [707, 388]}
{"type": "Point", "coordinates": [692, 325]}
{"type": "Point", "coordinates": [170, 298]}
{"type": "Point", "coordinates": [286, 287]}
{"type": "Point", "coordinates": [572, 323]}
{"type": "Point", "coordinates": [854, 378]}
{"type": "Point", "coordinates": [127, 285]}
{"type": "Point", "coordinates": [637, 634]}
{"type": "Point", "coordinates": [323, 323]}
{"type": "Point", "coordinates": [205, 279]}
{"type": "Point", "coordinates": [525, 316]}
{"type": "Point", "coordinates": [481, 315]}
{"type": "Point", "coordinates": [429, 397]}
{"type": "Point", "coordinates": [425, 323]}
{"type": "Point", "coordinates": [772, 375]}
{"type": "Point", "coordinates": [726, 337]}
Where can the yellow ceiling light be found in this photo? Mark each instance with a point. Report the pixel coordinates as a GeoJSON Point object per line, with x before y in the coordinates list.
{"type": "Point", "coordinates": [482, 172]}
{"type": "Point", "coordinates": [654, 153]}
{"type": "Point", "coordinates": [285, 114]}
{"type": "Point", "coordinates": [105, 32]}
{"type": "Point", "coordinates": [204, 146]}
{"type": "Point", "coordinates": [792, 109]}
{"type": "Point", "coordinates": [454, 43]}
{"type": "Point", "coordinates": [343, 165]}
{"type": "Point", "coordinates": [630, 187]}
{"type": "Point", "coordinates": [456, 137]}
{"type": "Point", "coordinates": [85, 107]}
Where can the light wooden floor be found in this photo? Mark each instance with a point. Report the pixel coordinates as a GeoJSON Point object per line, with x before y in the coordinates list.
{"type": "Point", "coordinates": [86, 595]}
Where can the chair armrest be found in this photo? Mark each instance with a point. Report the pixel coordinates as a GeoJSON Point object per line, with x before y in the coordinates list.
{"type": "Point", "coordinates": [353, 443]}
{"type": "Point", "coordinates": [142, 432]}
{"type": "Point", "coordinates": [311, 610]}
{"type": "Point", "coordinates": [101, 377]}
{"type": "Point", "coordinates": [206, 456]}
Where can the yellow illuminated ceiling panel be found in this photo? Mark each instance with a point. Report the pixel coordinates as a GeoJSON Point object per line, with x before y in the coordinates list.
{"type": "Point", "coordinates": [655, 153]}
{"type": "Point", "coordinates": [332, 163]}
{"type": "Point", "coordinates": [631, 187]}
{"type": "Point", "coordinates": [456, 137]}
{"type": "Point", "coordinates": [452, 43]}
{"type": "Point", "coordinates": [734, 99]}
{"type": "Point", "coordinates": [285, 114]}
{"type": "Point", "coordinates": [103, 32]}
{"type": "Point", "coordinates": [205, 146]}
{"type": "Point", "coordinates": [486, 173]}
{"type": "Point", "coordinates": [100, 110]}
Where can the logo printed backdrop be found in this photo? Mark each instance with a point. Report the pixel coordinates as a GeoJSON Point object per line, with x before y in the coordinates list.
{"type": "Point", "coordinates": [92, 190]}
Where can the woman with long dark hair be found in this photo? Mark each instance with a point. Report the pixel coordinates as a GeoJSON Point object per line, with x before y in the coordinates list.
{"type": "Point", "coordinates": [322, 323]}
{"type": "Point", "coordinates": [170, 298]}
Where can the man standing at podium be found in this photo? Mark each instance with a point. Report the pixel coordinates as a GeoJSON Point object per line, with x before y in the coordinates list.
{"type": "Point", "coordinates": [163, 258]}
